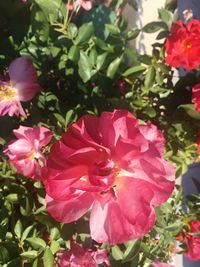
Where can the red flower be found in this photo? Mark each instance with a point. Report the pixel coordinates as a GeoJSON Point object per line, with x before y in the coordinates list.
{"type": "Point", "coordinates": [114, 167]}
{"type": "Point", "coordinates": [191, 240]}
{"type": "Point", "coordinates": [183, 45]}
{"type": "Point", "coordinates": [196, 96]}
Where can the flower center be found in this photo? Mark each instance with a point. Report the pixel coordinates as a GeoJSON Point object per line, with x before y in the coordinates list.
{"type": "Point", "coordinates": [187, 44]}
{"type": "Point", "coordinates": [102, 173]}
{"type": "Point", "coordinates": [6, 92]}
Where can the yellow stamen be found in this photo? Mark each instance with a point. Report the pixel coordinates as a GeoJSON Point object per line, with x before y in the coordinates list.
{"type": "Point", "coordinates": [7, 93]}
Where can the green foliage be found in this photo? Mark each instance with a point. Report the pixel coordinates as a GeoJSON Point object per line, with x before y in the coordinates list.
{"type": "Point", "coordinates": [80, 61]}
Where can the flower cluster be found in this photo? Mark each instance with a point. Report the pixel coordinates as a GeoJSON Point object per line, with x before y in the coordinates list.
{"type": "Point", "coordinates": [183, 45]}
{"type": "Point", "coordinates": [189, 237]}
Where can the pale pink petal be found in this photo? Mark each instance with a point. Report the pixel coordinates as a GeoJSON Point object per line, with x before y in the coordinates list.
{"type": "Point", "coordinates": [86, 4]}
{"type": "Point", "coordinates": [27, 90]}
{"type": "Point", "coordinates": [11, 107]}
{"type": "Point", "coordinates": [22, 70]}
{"type": "Point", "coordinates": [137, 210]}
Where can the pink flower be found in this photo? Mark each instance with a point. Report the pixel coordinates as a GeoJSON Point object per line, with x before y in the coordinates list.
{"type": "Point", "coordinates": [183, 45]}
{"type": "Point", "coordinates": [25, 152]}
{"type": "Point", "coordinates": [21, 87]}
{"type": "Point", "coordinates": [85, 4]}
{"type": "Point", "coordinates": [79, 257]}
{"type": "Point", "coordinates": [190, 240]}
{"type": "Point", "coordinates": [156, 263]}
{"type": "Point", "coordinates": [196, 96]}
{"type": "Point", "coordinates": [114, 167]}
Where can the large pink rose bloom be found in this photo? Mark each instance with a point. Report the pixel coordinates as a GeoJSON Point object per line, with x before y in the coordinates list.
{"type": "Point", "coordinates": [25, 152]}
{"type": "Point", "coordinates": [80, 257]}
{"type": "Point", "coordinates": [113, 167]}
{"type": "Point", "coordinates": [21, 87]}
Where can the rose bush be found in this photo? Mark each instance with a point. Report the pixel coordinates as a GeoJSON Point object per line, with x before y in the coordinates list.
{"type": "Point", "coordinates": [93, 135]}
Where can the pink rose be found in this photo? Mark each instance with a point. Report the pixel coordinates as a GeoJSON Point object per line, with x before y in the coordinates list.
{"type": "Point", "coordinates": [79, 257]}
{"type": "Point", "coordinates": [21, 87]}
{"type": "Point", "coordinates": [114, 167]}
{"type": "Point", "coordinates": [183, 45]}
{"type": "Point", "coordinates": [25, 152]}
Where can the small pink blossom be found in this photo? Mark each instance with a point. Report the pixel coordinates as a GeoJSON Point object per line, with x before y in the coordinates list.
{"type": "Point", "coordinates": [157, 263]}
{"type": "Point", "coordinates": [196, 97]}
{"type": "Point", "coordinates": [21, 87]}
{"type": "Point", "coordinates": [85, 4]}
{"type": "Point", "coordinates": [114, 167]}
{"type": "Point", "coordinates": [25, 152]}
{"type": "Point", "coordinates": [79, 257]}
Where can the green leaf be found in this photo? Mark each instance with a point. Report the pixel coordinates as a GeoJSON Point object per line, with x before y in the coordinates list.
{"type": "Point", "coordinates": [117, 253]}
{"type": "Point", "coordinates": [131, 251]}
{"type": "Point", "coordinates": [26, 232]}
{"type": "Point", "coordinates": [164, 15]}
{"type": "Point", "coordinates": [113, 67]}
{"type": "Point", "coordinates": [113, 29]}
{"type": "Point", "coordinates": [53, 9]}
{"type": "Point", "coordinates": [29, 255]}
{"type": "Point", "coordinates": [85, 33]}
{"type": "Point", "coordinates": [84, 67]}
{"type": "Point", "coordinates": [48, 258]}
{"type": "Point", "coordinates": [101, 59]}
{"type": "Point", "coordinates": [40, 25]}
{"type": "Point", "coordinates": [154, 27]}
{"type": "Point", "coordinates": [60, 118]}
{"type": "Point", "coordinates": [72, 31]}
{"type": "Point", "coordinates": [36, 242]}
{"type": "Point", "coordinates": [150, 78]}
{"type": "Point", "coordinates": [18, 229]}
{"type": "Point", "coordinates": [134, 70]}
{"type": "Point", "coordinates": [132, 34]}
{"type": "Point", "coordinates": [12, 197]}
{"type": "Point", "coordinates": [190, 110]}
{"type": "Point", "coordinates": [100, 16]}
